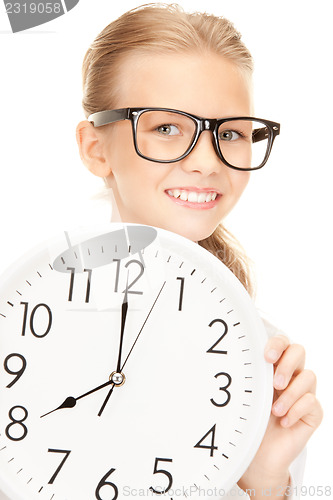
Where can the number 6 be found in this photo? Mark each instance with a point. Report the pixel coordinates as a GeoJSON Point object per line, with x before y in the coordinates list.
{"type": "Point", "coordinates": [103, 482]}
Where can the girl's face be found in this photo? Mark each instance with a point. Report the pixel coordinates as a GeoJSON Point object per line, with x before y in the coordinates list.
{"type": "Point", "coordinates": [145, 192]}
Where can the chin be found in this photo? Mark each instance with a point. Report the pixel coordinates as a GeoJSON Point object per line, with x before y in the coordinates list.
{"type": "Point", "coordinates": [193, 233]}
{"type": "Point", "coordinates": [193, 230]}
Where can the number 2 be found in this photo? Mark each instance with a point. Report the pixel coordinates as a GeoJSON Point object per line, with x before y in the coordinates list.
{"type": "Point", "coordinates": [225, 326]}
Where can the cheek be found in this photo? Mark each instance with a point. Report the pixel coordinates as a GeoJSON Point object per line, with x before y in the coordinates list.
{"type": "Point", "coordinates": [119, 146]}
{"type": "Point", "coordinates": [239, 182]}
{"type": "Point", "coordinates": [136, 180]}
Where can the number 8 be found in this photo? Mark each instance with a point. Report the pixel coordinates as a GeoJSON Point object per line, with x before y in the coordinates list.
{"type": "Point", "coordinates": [17, 422]}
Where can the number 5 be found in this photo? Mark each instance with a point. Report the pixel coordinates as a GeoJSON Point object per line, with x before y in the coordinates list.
{"type": "Point", "coordinates": [162, 471]}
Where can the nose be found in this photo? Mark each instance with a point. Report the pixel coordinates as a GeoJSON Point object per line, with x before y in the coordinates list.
{"type": "Point", "coordinates": [203, 157]}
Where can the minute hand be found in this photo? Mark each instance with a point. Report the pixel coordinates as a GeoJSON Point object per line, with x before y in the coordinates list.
{"type": "Point", "coordinates": [145, 321]}
{"type": "Point", "coordinates": [131, 349]}
{"type": "Point", "coordinates": [124, 309]}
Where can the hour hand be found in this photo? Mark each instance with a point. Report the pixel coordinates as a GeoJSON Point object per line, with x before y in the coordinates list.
{"type": "Point", "coordinates": [70, 401]}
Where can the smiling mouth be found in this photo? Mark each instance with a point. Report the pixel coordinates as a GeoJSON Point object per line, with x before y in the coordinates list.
{"type": "Point", "coordinates": [200, 197]}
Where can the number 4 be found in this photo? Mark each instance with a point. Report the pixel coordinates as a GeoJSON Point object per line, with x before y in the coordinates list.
{"type": "Point", "coordinates": [210, 447]}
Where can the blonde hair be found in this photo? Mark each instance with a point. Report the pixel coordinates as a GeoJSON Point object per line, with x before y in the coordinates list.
{"type": "Point", "coordinates": [161, 29]}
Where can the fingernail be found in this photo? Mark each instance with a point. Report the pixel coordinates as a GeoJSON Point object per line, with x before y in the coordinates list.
{"type": "Point", "coordinates": [272, 355]}
{"type": "Point", "coordinates": [285, 421]}
{"type": "Point", "coordinates": [279, 409]}
{"type": "Point", "coordinates": [279, 381]}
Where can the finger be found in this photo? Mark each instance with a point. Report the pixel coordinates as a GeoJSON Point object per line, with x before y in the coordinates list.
{"type": "Point", "coordinates": [291, 363]}
{"type": "Point", "coordinates": [307, 409]}
{"type": "Point", "coordinates": [304, 383]}
{"type": "Point", "coordinates": [275, 347]}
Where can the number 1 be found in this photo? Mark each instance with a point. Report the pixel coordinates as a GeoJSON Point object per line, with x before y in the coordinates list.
{"type": "Point", "coordinates": [181, 293]}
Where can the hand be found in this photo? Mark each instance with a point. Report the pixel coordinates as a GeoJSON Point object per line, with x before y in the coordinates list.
{"type": "Point", "coordinates": [296, 413]}
{"type": "Point", "coordinates": [131, 349]}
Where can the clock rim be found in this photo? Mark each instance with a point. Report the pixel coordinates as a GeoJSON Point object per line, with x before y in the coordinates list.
{"type": "Point", "coordinates": [41, 251]}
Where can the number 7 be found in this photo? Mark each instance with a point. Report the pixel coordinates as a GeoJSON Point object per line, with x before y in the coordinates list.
{"type": "Point", "coordinates": [67, 452]}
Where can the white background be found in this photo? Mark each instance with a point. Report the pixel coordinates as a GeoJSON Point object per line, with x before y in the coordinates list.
{"type": "Point", "coordinates": [284, 219]}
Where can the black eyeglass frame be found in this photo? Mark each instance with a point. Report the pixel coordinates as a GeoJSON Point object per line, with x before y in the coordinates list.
{"type": "Point", "coordinates": [101, 118]}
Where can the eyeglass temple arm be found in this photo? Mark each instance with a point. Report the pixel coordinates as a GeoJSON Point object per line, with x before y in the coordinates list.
{"type": "Point", "coordinates": [262, 133]}
{"type": "Point", "coordinates": [110, 116]}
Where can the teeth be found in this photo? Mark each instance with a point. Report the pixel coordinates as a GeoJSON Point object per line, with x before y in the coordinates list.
{"type": "Point", "coordinates": [192, 196]}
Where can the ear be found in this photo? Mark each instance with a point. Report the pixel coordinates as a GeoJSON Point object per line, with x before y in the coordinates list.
{"type": "Point", "coordinates": [91, 149]}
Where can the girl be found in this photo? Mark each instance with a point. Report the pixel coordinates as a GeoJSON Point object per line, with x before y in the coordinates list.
{"type": "Point", "coordinates": [180, 76]}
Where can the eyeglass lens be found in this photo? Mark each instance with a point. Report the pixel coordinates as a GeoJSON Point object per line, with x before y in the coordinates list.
{"type": "Point", "coordinates": [165, 135]}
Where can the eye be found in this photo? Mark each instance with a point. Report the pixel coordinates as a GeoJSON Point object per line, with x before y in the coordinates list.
{"type": "Point", "coordinates": [229, 135]}
{"type": "Point", "coordinates": [168, 129]}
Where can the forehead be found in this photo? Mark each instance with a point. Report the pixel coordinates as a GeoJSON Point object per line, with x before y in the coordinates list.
{"type": "Point", "coordinates": [204, 84]}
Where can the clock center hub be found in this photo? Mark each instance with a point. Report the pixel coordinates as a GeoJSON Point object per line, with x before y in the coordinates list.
{"type": "Point", "coordinates": [117, 378]}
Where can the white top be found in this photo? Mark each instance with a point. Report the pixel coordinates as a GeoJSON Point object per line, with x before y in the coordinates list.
{"type": "Point", "coordinates": [293, 492]}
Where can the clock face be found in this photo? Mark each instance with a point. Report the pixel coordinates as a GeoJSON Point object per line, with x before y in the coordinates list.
{"type": "Point", "coordinates": [131, 365]}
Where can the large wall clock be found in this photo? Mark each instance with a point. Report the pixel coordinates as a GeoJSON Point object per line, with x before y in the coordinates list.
{"type": "Point", "coordinates": [131, 365]}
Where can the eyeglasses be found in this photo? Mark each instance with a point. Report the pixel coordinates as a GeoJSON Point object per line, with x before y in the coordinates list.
{"type": "Point", "coordinates": [167, 135]}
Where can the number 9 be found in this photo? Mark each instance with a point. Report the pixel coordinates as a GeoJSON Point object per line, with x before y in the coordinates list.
{"type": "Point", "coordinates": [18, 372]}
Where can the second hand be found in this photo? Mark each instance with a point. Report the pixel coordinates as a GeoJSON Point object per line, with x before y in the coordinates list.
{"type": "Point", "coordinates": [128, 355]}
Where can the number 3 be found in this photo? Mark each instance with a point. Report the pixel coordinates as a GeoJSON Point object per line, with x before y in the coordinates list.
{"type": "Point", "coordinates": [223, 389]}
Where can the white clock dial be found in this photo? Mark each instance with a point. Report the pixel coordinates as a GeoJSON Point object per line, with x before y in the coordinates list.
{"type": "Point", "coordinates": [190, 396]}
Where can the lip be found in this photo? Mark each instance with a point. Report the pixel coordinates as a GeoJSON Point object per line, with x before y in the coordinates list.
{"type": "Point", "coordinates": [194, 205]}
